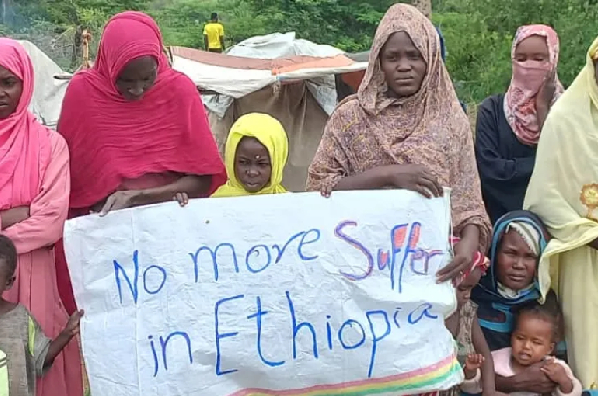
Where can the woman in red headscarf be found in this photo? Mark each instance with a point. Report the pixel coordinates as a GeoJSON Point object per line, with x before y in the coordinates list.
{"type": "Point", "coordinates": [136, 129]}
{"type": "Point", "coordinates": [34, 199]}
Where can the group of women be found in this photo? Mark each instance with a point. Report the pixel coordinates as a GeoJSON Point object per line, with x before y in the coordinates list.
{"type": "Point", "coordinates": [133, 132]}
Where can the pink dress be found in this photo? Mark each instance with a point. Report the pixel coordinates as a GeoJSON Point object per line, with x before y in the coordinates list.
{"type": "Point", "coordinates": [35, 286]}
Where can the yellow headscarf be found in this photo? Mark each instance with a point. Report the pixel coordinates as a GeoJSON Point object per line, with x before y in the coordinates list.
{"type": "Point", "coordinates": [564, 192]}
{"type": "Point", "coordinates": [594, 50]}
{"type": "Point", "coordinates": [270, 133]}
{"type": "Point", "coordinates": [565, 176]}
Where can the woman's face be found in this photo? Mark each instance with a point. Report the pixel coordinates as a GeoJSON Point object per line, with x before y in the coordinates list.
{"type": "Point", "coordinates": [533, 48]}
{"type": "Point", "coordinates": [252, 165]}
{"type": "Point", "coordinates": [516, 263]}
{"type": "Point", "coordinates": [403, 65]}
{"type": "Point", "coordinates": [137, 77]}
{"type": "Point", "coordinates": [11, 88]}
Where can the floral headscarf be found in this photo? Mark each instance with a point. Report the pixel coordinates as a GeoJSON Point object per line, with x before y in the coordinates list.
{"type": "Point", "coordinates": [527, 80]}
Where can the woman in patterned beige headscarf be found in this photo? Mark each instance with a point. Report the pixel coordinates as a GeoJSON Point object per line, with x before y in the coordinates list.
{"type": "Point", "coordinates": [405, 129]}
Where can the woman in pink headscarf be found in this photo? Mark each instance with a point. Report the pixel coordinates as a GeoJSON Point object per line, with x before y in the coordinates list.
{"type": "Point", "coordinates": [509, 125]}
{"type": "Point", "coordinates": [136, 129]}
{"type": "Point", "coordinates": [34, 199]}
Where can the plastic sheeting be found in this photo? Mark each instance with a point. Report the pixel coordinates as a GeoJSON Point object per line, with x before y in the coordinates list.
{"type": "Point", "coordinates": [48, 92]}
{"type": "Point", "coordinates": [271, 46]}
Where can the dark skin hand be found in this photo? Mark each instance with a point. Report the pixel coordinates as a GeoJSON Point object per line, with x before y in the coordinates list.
{"type": "Point", "coordinates": [13, 216]}
{"type": "Point", "coordinates": [407, 177]}
{"type": "Point", "coordinates": [415, 178]}
{"type": "Point", "coordinates": [60, 342]}
{"type": "Point", "coordinates": [532, 379]}
{"type": "Point", "coordinates": [558, 374]}
{"type": "Point", "coordinates": [191, 185]}
{"type": "Point", "coordinates": [464, 251]}
{"type": "Point", "coordinates": [544, 98]}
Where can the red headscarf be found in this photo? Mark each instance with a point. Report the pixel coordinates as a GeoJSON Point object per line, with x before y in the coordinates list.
{"type": "Point", "coordinates": [111, 139]}
{"type": "Point", "coordinates": [25, 147]}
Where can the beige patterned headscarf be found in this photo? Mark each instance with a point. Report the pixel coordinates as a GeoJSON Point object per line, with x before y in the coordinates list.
{"type": "Point", "coordinates": [436, 92]}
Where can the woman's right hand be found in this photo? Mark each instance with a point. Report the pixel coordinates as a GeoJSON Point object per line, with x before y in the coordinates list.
{"type": "Point", "coordinates": [414, 178]}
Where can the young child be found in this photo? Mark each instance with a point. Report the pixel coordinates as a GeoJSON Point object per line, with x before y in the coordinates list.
{"type": "Point", "coordinates": [537, 330]}
{"type": "Point", "coordinates": [255, 154]}
{"type": "Point", "coordinates": [472, 350]}
{"type": "Point", "coordinates": [28, 352]}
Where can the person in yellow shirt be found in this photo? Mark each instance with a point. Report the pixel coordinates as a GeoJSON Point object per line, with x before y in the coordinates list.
{"type": "Point", "coordinates": [214, 35]}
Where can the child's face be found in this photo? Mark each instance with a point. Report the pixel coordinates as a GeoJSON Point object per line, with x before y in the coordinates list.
{"type": "Point", "coordinates": [6, 279]}
{"type": "Point", "coordinates": [532, 339]}
{"type": "Point", "coordinates": [516, 263]}
{"type": "Point", "coordinates": [463, 290]}
{"type": "Point", "coordinates": [252, 165]}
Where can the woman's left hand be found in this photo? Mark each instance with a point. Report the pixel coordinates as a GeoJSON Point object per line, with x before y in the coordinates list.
{"type": "Point", "coordinates": [464, 253]}
{"type": "Point", "coordinates": [119, 200]}
{"type": "Point", "coordinates": [546, 92]}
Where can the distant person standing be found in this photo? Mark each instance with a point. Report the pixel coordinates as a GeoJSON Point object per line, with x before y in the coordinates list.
{"type": "Point", "coordinates": [214, 35]}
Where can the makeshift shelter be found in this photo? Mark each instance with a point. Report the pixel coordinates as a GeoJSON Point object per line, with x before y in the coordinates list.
{"type": "Point", "coordinates": [293, 80]}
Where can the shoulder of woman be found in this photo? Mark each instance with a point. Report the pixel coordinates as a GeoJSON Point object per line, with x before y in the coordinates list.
{"type": "Point", "coordinates": [58, 143]}
{"type": "Point", "coordinates": [492, 102]}
{"type": "Point", "coordinates": [77, 91]}
{"type": "Point", "coordinates": [346, 114]}
{"type": "Point", "coordinates": [184, 83]}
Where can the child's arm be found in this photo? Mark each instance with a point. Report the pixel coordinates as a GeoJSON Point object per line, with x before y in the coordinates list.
{"type": "Point", "coordinates": [472, 371]}
{"type": "Point", "coordinates": [60, 342]}
{"type": "Point", "coordinates": [561, 374]}
{"type": "Point", "coordinates": [488, 374]}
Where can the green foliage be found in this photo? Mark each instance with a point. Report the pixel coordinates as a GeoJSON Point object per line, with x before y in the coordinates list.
{"type": "Point", "coordinates": [478, 33]}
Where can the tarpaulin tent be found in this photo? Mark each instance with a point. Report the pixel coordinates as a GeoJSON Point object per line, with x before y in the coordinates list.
{"type": "Point", "coordinates": [290, 79]}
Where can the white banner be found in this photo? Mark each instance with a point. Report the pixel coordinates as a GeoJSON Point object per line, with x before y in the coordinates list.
{"type": "Point", "coordinates": [288, 294]}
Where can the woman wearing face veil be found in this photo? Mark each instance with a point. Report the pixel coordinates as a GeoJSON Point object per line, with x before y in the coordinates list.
{"type": "Point", "coordinates": [509, 125]}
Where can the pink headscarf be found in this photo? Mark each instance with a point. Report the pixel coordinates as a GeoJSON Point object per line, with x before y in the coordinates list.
{"type": "Point", "coordinates": [111, 139]}
{"type": "Point", "coordinates": [527, 80]}
{"type": "Point", "coordinates": [25, 147]}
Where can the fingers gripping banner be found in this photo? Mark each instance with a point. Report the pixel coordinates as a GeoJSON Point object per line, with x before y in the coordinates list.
{"type": "Point", "coordinates": [290, 294]}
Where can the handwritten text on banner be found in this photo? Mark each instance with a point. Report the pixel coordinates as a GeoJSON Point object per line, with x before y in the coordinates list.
{"type": "Point", "coordinates": [260, 295]}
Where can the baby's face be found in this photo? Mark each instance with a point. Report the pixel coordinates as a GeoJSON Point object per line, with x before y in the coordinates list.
{"type": "Point", "coordinates": [532, 340]}
{"type": "Point", "coordinates": [516, 263]}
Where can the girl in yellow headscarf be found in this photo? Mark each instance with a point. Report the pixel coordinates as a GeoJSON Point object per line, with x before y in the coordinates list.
{"type": "Point", "coordinates": [255, 154]}
{"type": "Point", "coordinates": [564, 192]}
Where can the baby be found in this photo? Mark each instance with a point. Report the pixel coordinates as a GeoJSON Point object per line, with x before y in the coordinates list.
{"type": "Point", "coordinates": [536, 332]}
{"type": "Point", "coordinates": [29, 353]}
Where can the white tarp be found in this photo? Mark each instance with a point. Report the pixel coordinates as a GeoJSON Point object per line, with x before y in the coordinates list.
{"type": "Point", "coordinates": [271, 46]}
{"type": "Point", "coordinates": [48, 92]}
{"type": "Point", "coordinates": [255, 296]}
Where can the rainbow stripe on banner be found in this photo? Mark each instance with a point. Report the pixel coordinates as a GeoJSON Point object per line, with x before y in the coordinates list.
{"type": "Point", "coordinates": [418, 380]}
